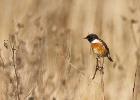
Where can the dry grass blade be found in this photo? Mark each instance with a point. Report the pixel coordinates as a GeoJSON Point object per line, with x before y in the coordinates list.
{"type": "Point", "coordinates": [138, 57]}
{"type": "Point", "coordinates": [16, 74]}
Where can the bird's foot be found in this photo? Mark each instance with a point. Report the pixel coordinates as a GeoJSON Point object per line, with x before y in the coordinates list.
{"type": "Point", "coordinates": [100, 68]}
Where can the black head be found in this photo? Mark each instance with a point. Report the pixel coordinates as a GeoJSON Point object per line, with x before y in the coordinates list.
{"type": "Point", "coordinates": [91, 37]}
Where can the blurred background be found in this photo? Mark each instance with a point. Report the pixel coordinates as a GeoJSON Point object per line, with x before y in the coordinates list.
{"type": "Point", "coordinates": [53, 62]}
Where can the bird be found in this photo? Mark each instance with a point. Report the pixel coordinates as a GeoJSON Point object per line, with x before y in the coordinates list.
{"type": "Point", "coordinates": [98, 46]}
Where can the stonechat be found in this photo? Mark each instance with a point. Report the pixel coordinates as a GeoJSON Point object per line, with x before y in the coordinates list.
{"type": "Point", "coordinates": [98, 46]}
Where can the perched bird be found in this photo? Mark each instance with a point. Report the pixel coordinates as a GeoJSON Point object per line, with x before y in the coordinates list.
{"type": "Point", "coordinates": [98, 46]}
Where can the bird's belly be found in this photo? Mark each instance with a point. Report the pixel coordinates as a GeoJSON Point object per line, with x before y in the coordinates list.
{"type": "Point", "coordinates": [99, 49]}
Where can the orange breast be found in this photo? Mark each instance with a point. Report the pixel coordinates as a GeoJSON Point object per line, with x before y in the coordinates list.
{"type": "Point", "coordinates": [99, 49]}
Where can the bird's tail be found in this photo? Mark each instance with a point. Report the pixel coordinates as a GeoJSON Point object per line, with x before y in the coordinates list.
{"type": "Point", "coordinates": [108, 56]}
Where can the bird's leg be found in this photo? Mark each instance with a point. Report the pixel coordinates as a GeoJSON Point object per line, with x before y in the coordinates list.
{"type": "Point", "coordinates": [100, 67]}
{"type": "Point", "coordinates": [97, 62]}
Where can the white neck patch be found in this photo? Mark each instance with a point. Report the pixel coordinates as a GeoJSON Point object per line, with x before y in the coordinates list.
{"type": "Point", "coordinates": [96, 41]}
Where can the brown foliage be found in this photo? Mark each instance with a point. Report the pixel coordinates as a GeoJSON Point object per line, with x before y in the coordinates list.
{"type": "Point", "coordinates": [53, 62]}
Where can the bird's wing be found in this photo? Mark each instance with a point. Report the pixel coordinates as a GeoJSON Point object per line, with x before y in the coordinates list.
{"type": "Point", "coordinates": [105, 45]}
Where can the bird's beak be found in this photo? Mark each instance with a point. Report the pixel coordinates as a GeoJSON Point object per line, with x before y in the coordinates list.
{"type": "Point", "coordinates": [85, 38]}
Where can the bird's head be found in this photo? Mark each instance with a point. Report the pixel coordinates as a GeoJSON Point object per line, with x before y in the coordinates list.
{"type": "Point", "coordinates": [91, 37]}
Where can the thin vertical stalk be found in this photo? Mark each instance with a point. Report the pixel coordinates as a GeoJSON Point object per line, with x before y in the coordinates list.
{"type": "Point", "coordinates": [16, 74]}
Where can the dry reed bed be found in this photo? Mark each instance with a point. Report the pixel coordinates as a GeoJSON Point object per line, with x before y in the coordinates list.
{"type": "Point", "coordinates": [52, 60]}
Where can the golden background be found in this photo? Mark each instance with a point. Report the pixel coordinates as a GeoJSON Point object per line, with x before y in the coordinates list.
{"type": "Point", "coordinates": [52, 60]}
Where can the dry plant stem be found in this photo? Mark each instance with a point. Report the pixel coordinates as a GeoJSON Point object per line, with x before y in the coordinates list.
{"type": "Point", "coordinates": [99, 66]}
{"type": "Point", "coordinates": [68, 59]}
{"type": "Point", "coordinates": [102, 83]}
{"type": "Point", "coordinates": [136, 73]}
{"type": "Point", "coordinates": [102, 78]}
{"type": "Point", "coordinates": [16, 75]}
{"type": "Point", "coordinates": [134, 85]}
{"type": "Point", "coordinates": [82, 73]}
{"type": "Point", "coordinates": [2, 61]}
{"type": "Point", "coordinates": [137, 55]}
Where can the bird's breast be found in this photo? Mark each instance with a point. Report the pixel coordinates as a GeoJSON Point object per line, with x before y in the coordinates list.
{"type": "Point", "coordinates": [99, 49]}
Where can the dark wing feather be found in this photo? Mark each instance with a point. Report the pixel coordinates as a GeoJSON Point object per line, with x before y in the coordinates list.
{"type": "Point", "coordinates": [105, 45]}
{"type": "Point", "coordinates": [108, 53]}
